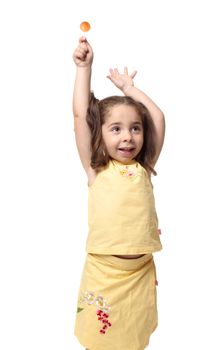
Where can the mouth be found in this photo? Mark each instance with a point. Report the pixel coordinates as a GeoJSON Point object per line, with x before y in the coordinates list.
{"type": "Point", "coordinates": [126, 151]}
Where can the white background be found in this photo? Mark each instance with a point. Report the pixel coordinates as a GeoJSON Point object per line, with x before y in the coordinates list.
{"type": "Point", "coordinates": [44, 189]}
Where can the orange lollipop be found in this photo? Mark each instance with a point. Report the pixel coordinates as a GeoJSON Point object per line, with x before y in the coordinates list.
{"type": "Point", "coordinates": [85, 26]}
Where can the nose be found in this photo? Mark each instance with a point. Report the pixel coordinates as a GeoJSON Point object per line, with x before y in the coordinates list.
{"type": "Point", "coordinates": [127, 136]}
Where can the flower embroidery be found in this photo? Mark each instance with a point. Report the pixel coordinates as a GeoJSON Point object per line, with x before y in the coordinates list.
{"type": "Point", "coordinates": [102, 304]}
{"type": "Point", "coordinates": [129, 171]}
{"type": "Point", "coordinates": [102, 308]}
{"type": "Point", "coordinates": [125, 171]}
{"type": "Point", "coordinates": [88, 297]}
{"type": "Point", "coordinates": [99, 301]}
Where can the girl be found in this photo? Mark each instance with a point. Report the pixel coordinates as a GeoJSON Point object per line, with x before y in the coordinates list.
{"type": "Point", "coordinates": [119, 140]}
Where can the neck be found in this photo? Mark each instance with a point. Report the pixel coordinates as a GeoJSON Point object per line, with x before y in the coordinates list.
{"type": "Point", "coordinates": [129, 162]}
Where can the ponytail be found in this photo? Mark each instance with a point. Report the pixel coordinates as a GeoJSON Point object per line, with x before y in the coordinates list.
{"type": "Point", "coordinates": [93, 114]}
{"type": "Point", "coordinates": [99, 157]}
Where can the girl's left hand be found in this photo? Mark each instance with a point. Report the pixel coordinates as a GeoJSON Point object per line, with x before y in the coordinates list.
{"type": "Point", "coordinates": [122, 81]}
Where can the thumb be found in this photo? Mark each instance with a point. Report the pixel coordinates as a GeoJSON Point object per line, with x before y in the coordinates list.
{"type": "Point", "coordinates": [82, 39]}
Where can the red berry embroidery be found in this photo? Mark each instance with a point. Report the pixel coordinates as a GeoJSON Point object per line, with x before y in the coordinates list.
{"type": "Point", "coordinates": [103, 317]}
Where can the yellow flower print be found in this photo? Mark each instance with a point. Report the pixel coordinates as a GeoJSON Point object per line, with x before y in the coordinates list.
{"type": "Point", "coordinates": [88, 297]}
{"type": "Point", "coordinates": [102, 303]}
{"type": "Point", "coordinates": [127, 172]}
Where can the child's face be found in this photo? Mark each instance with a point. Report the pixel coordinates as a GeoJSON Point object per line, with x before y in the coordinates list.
{"type": "Point", "coordinates": [123, 133]}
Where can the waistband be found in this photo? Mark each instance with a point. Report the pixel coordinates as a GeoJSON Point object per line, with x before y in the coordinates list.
{"type": "Point", "coordinates": [120, 263]}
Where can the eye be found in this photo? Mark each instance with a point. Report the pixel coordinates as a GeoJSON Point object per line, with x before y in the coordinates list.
{"type": "Point", "coordinates": [115, 129]}
{"type": "Point", "coordinates": [137, 129]}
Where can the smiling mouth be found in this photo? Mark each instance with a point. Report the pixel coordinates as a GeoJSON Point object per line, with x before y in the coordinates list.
{"type": "Point", "coordinates": [127, 149]}
{"type": "Point", "coordinates": [126, 152]}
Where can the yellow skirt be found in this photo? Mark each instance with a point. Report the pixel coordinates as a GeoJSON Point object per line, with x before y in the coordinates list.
{"type": "Point", "coordinates": [117, 306]}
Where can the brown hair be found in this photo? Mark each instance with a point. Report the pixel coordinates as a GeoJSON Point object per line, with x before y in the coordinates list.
{"type": "Point", "coordinates": [96, 114]}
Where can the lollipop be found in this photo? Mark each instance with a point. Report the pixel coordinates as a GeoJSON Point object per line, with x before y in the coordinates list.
{"type": "Point", "coordinates": [85, 26]}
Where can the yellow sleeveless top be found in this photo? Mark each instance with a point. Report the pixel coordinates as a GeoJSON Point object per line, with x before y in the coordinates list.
{"type": "Point", "coordinates": [121, 212]}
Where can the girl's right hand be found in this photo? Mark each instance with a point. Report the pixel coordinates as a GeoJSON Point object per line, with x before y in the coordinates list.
{"type": "Point", "coordinates": [83, 55]}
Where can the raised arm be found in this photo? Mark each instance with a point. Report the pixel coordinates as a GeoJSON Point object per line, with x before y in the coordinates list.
{"type": "Point", "coordinates": [125, 83]}
{"type": "Point", "coordinates": [83, 58]}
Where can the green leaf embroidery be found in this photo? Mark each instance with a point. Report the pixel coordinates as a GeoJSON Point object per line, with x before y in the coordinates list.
{"type": "Point", "coordinates": [79, 309]}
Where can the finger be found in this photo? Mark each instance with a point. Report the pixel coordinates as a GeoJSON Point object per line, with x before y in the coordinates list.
{"type": "Point", "coordinates": [82, 39]}
{"type": "Point", "coordinates": [116, 71]}
{"type": "Point", "coordinates": [88, 46]}
{"type": "Point", "coordinates": [133, 74]}
{"type": "Point", "coordinates": [80, 55]}
{"type": "Point", "coordinates": [84, 46]}
{"type": "Point", "coordinates": [125, 70]}
{"type": "Point", "coordinates": [110, 78]}
{"type": "Point", "coordinates": [82, 49]}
